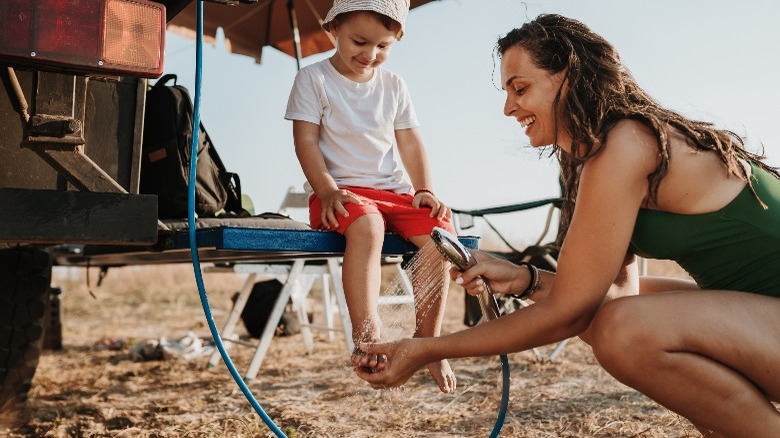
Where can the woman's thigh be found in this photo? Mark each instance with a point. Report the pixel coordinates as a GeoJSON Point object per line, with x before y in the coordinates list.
{"type": "Point", "coordinates": [739, 330]}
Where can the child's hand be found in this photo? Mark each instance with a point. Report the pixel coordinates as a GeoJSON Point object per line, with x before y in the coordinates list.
{"type": "Point", "coordinates": [427, 199]}
{"type": "Point", "coordinates": [332, 203]}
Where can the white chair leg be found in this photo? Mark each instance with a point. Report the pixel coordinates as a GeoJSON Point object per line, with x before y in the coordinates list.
{"type": "Point", "coordinates": [341, 300]}
{"type": "Point", "coordinates": [557, 349]}
{"type": "Point", "coordinates": [273, 321]}
{"type": "Point", "coordinates": [298, 296]}
{"type": "Point", "coordinates": [406, 282]}
{"type": "Point", "coordinates": [327, 304]}
{"type": "Point", "coordinates": [407, 295]}
{"type": "Point", "coordinates": [235, 313]}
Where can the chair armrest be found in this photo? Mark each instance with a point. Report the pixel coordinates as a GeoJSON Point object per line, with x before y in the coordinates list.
{"type": "Point", "coordinates": [510, 208]}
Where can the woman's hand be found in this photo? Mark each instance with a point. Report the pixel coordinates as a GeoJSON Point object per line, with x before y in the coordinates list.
{"type": "Point", "coordinates": [505, 277]}
{"type": "Point", "coordinates": [333, 203]}
{"type": "Point", "coordinates": [427, 199]}
{"type": "Point", "coordinates": [404, 358]}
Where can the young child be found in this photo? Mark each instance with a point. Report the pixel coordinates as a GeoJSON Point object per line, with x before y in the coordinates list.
{"type": "Point", "coordinates": [347, 113]}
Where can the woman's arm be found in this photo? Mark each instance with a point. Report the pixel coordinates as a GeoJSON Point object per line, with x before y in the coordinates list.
{"type": "Point", "coordinates": [592, 262]}
{"type": "Point", "coordinates": [649, 285]}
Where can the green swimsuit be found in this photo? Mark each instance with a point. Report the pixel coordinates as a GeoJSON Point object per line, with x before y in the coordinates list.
{"type": "Point", "coordinates": [734, 248]}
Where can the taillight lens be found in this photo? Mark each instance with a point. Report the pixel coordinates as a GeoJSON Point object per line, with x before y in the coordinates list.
{"type": "Point", "coordinates": [111, 36]}
{"type": "Point", "coordinates": [68, 28]}
{"type": "Point", "coordinates": [16, 19]}
{"type": "Point", "coordinates": [133, 34]}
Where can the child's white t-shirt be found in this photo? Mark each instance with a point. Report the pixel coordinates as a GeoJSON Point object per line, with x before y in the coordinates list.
{"type": "Point", "coordinates": [357, 123]}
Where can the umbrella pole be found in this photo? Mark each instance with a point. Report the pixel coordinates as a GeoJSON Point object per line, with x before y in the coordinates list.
{"type": "Point", "coordinates": [295, 34]}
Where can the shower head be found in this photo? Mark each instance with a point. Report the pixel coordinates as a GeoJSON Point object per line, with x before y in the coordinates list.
{"type": "Point", "coordinates": [452, 249]}
{"type": "Point", "coordinates": [458, 255]}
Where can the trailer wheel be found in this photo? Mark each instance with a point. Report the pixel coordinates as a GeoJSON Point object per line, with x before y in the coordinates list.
{"type": "Point", "coordinates": [25, 275]}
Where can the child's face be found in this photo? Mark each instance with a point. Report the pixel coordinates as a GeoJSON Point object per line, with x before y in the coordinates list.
{"type": "Point", "coordinates": [530, 93]}
{"type": "Point", "coordinates": [362, 44]}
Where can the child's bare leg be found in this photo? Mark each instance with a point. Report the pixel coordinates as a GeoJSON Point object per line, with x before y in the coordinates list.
{"type": "Point", "coordinates": [361, 275]}
{"type": "Point", "coordinates": [429, 311]}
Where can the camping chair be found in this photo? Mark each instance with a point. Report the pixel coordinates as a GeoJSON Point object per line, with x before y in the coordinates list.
{"type": "Point", "coordinates": [298, 278]}
{"type": "Point", "coordinates": [539, 253]}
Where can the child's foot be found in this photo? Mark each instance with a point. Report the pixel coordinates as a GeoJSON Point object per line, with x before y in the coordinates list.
{"type": "Point", "coordinates": [443, 376]}
{"type": "Point", "coordinates": [368, 362]}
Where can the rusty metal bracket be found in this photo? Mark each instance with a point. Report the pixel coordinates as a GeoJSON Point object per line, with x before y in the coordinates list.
{"type": "Point", "coordinates": [55, 133]}
{"type": "Point", "coordinates": [55, 130]}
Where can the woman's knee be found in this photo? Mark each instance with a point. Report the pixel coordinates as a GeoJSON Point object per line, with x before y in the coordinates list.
{"type": "Point", "coordinates": [619, 332]}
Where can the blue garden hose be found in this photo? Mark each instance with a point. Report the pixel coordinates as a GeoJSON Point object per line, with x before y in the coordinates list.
{"type": "Point", "coordinates": [199, 274]}
{"type": "Point", "coordinates": [504, 397]}
{"type": "Point", "coordinates": [193, 241]}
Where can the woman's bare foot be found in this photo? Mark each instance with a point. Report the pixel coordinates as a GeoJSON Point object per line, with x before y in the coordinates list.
{"type": "Point", "coordinates": [443, 376]}
{"type": "Point", "coordinates": [368, 362]}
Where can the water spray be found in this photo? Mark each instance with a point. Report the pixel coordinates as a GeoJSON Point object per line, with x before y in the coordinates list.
{"type": "Point", "coordinates": [449, 246]}
{"type": "Point", "coordinates": [455, 252]}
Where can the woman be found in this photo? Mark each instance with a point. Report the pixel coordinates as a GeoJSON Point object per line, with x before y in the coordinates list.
{"type": "Point", "coordinates": [648, 181]}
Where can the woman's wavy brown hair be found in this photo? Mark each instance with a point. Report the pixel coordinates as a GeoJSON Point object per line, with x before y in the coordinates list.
{"type": "Point", "coordinates": [601, 92]}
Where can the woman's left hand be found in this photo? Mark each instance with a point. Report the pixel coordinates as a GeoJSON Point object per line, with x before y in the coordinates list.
{"type": "Point", "coordinates": [427, 199]}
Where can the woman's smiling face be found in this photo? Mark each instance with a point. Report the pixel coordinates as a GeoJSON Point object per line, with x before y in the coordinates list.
{"type": "Point", "coordinates": [530, 93]}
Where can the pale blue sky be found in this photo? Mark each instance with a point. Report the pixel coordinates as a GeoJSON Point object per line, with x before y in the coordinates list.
{"type": "Point", "coordinates": [711, 59]}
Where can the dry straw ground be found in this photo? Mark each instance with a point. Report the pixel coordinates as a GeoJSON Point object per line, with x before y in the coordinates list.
{"type": "Point", "coordinates": [82, 392]}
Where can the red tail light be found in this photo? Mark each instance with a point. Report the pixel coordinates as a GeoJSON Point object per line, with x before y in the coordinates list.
{"type": "Point", "coordinates": [99, 36]}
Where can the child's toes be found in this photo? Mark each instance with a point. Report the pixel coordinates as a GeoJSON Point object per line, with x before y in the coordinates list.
{"type": "Point", "coordinates": [372, 360]}
{"type": "Point", "coordinates": [443, 376]}
{"type": "Point", "coordinates": [361, 359]}
{"type": "Point", "coordinates": [358, 358]}
{"type": "Point", "coordinates": [381, 362]}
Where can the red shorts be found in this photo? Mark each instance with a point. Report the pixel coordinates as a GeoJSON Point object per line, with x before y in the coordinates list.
{"type": "Point", "coordinates": [396, 210]}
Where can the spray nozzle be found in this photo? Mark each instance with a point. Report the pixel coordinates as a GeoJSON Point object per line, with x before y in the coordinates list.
{"type": "Point", "coordinates": [455, 252]}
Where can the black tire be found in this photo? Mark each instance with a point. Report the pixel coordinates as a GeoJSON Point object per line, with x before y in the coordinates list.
{"type": "Point", "coordinates": [25, 275]}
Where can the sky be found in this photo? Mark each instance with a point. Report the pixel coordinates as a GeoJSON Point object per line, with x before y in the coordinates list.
{"type": "Point", "coordinates": [714, 60]}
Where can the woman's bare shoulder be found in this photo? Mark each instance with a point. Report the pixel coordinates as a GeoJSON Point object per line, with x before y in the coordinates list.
{"type": "Point", "coordinates": [630, 145]}
{"type": "Point", "coordinates": [634, 135]}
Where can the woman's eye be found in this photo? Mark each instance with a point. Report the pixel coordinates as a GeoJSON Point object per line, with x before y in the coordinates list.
{"type": "Point", "coordinates": [358, 43]}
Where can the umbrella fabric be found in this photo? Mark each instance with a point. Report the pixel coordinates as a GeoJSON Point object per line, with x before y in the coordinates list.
{"type": "Point", "coordinates": [249, 28]}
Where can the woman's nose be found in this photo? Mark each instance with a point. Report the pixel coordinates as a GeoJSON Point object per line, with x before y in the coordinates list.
{"type": "Point", "coordinates": [509, 105]}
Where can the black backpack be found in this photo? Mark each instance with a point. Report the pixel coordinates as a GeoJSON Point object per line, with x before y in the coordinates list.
{"type": "Point", "coordinates": [165, 162]}
{"type": "Point", "coordinates": [258, 309]}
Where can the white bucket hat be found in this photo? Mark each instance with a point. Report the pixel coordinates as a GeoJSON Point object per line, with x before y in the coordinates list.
{"type": "Point", "coordinates": [395, 9]}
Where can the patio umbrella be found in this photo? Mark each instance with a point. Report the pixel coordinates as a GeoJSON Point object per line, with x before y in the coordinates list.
{"type": "Point", "coordinates": [291, 26]}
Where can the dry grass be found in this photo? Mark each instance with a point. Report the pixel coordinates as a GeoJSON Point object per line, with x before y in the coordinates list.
{"type": "Point", "coordinates": [82, 392]}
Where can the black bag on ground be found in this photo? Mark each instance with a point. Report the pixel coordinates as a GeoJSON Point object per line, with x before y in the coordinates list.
{"type": "Point", "coordinates": [165, 162]}
{"type": "Point", "coordinates": [259, 306]}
